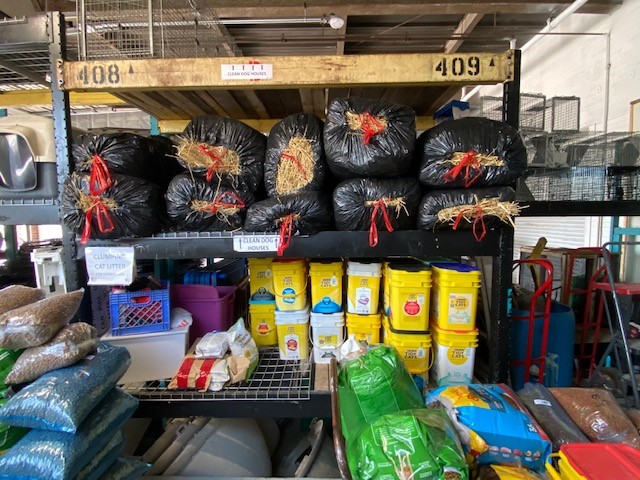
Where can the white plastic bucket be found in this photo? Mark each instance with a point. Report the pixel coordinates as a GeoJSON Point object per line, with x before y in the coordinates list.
{"type": "Point", "coordinates": [327, 330]}
{"type": "Point", "coordinates": [363, 287]}
{"type": "Point", "coordinates": [293, 334]}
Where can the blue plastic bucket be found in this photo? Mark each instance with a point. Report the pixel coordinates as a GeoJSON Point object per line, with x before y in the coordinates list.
{"type": "Point", "coordinates": [560, 354]}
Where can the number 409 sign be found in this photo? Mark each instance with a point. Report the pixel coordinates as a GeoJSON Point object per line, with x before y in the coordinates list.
{"type": "Point", "coordinates": [459, 66]}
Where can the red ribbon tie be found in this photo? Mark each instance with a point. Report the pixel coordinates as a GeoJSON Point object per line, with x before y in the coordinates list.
{"type": "Point", "coordinates": [373, 229]}
{"type": "Point", "coordinates": [286, 232]}
{"type": "Point", "coordinates": [99, 177]}
{"type": "Point", "coordinates": [469, 163]}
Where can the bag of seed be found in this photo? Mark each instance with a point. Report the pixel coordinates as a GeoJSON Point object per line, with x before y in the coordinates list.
{"type": "Point", "coordinates": [16, 296]}
{"type": "Point", "coordinates": [101, 156]}
{"type": "Point", "coordinates": [475, 209]}
{"type": "Point", "coordinates": [305, 213]}
{"type": "Point", "coordinates": [48, 455]}
{"type": "Point", "coordinates": [195, 205]}
{"type": "Point", "coordinates": [410, 444]}
{"type": "Point", "coordinates": [60, 400]}
{"type": "Point", "coordinates": [369, 204]}
{"type": "Point", "coordinates": [103, 460]}
{"type": "Point", "coordinates": [470, 152]}
{"type": "Point", "coordinates": [162, 151]}
{"type": "Point", "coordinates": [295, 161]}
{"type": "Point", "coordinates": [7, 360]}
{"type": "Point", "coordinates": [130, 207]}
{"type": "Point", "coordinates": [70, 345]}
{"type": "Point", "coordinates": [224, 148]}
{"type": "Point", "coordinates": [126, 468]}
{"type": "Point", "coordinates": [369, 138]}
{"type": "Point", "coordinates": [36, 323]}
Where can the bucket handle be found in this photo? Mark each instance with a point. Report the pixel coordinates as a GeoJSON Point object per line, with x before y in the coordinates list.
{"type": "Point", "coordinates": [553, 473]}
{"type": "Point", "coordinates": [294, 295]}
{"type": "Point", "coordinates": [344, 335]}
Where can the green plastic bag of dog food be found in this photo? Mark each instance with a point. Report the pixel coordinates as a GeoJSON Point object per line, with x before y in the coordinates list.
{"type": "Point", "coordinates": [414, 444]}
{"type": "Point", "coordinates": [373, 385]}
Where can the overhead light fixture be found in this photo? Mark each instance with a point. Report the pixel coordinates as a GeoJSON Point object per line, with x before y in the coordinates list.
{"type": "Point", "coordinates": [335, 21]}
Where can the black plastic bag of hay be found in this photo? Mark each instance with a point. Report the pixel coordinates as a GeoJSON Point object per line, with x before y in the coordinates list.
{"type": "Point", "coordinates": [131, 207]}
{"type": "Point", "coordinates": [195, 205]}
{"type": "Point", "coordinates": [372, 138]}
{"type": "Point", "coordinates": [470, 152]}
{"type": "Point", "coordinates": [370, 204]}
{"type": "Point", "coordinates": [310, 213]}
{"type": "Point", "coordinates": [223, 147]}
{"type": "Point", "coordinates": [119, 153]}
{"type": "Point", "coordinates": [295, 161]}
{"type": "Point", "coordinates": [163, 158]}
{"type": "Point", "coordinates": [441, 208]}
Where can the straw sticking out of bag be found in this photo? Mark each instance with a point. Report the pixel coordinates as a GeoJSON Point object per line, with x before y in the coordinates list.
{"type": "Point", "coordinates": [295, 169]}
{"type": "Point", "coordinates": [215, 159]}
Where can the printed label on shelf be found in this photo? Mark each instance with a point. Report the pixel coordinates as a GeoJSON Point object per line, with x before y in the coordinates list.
{"type": "Point", "coordinates": [246, 71]}
{"type": "Point", "coordinates": [267, 243]}
{"type": "Point", "coordinates": [110, 265]}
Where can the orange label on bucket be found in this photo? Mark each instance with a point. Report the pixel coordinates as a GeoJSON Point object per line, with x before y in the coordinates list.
{"type": "Point", "coordinates": [263, 329]}
{"type": "Point", "coordinates": [412, 308]}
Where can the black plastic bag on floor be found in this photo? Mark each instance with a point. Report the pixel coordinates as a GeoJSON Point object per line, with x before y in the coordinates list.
{"type": "Point", "coordinates": [370, 204]}
{"type": "Point", "coordinates": [101, 156]}
{"type": "Point", "coordinates": [295, 161]}
{"type": "Point", "coordinates": [369, 138]}
{"type": "Point", "coordinates": [225, 148]}
{"type": "Point", "coordinates": [470, 152]}
{"type": "Point", "coordinates": [305, 213]}
{"type": "Point", "coordinates": [195, 205]}
{"type": "Point", "coordinates": [131, 207]}
{"type": "Point", "coordinates": [477, 209]}
{"type": "Point", "coordinates": [163, 159]}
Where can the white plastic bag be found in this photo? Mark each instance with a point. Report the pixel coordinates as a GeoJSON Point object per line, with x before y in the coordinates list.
{"type": "Point", "coordinates": [213, 345]}
{"type": "Point", "coordinates": [242, 344]}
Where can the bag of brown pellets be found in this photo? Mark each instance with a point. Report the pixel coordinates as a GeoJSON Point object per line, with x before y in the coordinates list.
{"type": "Point", "coordinates": [225, 148]}
{"type": "Point", "coordinates": [295, 161]}
{"type": "Point", "coordinates": [16, 296]}
{"type": "Point", "coordinates": [37, 323]}
{"type": "Point", "coordinates": [70, 345]}
{"type": "Point", "coordinates": [598, 415]}
{"type": "Point", "coordinates": [634, 416]}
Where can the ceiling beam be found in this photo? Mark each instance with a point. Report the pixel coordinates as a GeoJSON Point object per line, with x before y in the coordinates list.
{"type": "Point", "coordinates": [256, 103]}
{"type": "Point", "coordinates": [295, 8]}
{"type": "Point", "coordinates": [466, 25]}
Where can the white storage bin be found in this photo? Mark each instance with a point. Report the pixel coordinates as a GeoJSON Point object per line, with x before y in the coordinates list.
{"type": "Point", "coordinates": [154, 356]}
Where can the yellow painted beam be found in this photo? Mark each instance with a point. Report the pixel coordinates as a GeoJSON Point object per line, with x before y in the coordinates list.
{"type": "Point", "coordinates": [178, 126]}
{"type": "Point", "coordinates": [27, 98]}
{"type": "Point", "coordinates": [326, 71]}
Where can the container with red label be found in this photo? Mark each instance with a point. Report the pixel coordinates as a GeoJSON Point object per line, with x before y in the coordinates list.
{"type": "Point", "coordinates": [407, 294]}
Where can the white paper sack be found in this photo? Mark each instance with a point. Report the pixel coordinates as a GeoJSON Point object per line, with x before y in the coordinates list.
{"type": "Point", "coordinates": [219, 376]}
{"type": "Point", "coordinates": [242, 343]}
{"type": "Point", "coordinates": [213, 345]}
{"type": "Point", "coordinates": [351, 349]}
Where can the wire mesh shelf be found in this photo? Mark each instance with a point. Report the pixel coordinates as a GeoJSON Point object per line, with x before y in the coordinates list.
{"type": "Point", "coordinates": [273, 379]}
{"type": "Point", "coordinates": [563, 114]}
{"type": "Point", "coordinates": [151, 29]}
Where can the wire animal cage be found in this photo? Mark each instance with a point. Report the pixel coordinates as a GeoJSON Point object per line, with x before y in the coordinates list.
{"type": "Point", "coordinates": [151, 29]}
{"type": "Point", "coordinates": [563, 114]}
{"type": "Point", "coordinates": [532, 110]}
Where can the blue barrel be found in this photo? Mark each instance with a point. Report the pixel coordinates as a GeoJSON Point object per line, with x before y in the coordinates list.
{"type": "Point", "coordinates": [560, 353]}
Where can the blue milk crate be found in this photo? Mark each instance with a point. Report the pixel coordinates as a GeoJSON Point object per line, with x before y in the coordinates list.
{"type": "Point", "coordinates": [140, 312]}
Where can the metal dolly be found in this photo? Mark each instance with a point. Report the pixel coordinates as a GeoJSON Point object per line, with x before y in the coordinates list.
{"type": "Point", "coordinates": [617, 323]}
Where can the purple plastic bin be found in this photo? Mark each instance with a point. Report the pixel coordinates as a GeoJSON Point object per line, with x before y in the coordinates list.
{"type": "Point", "coordinates": [211, 307]}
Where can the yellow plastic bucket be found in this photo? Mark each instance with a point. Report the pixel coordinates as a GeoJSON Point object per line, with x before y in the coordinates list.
{"type": "Point", "coordinates": [565, 471]}
{"type": "Point", "coordinates": [326, 286]}
{"type": "Point", "coordinates": [290, 284]}
{"type": "Point", "coordinates": [363, 287]}
{"type": "Point", "coordinates": [454, 296]}
{"type": "Point", "coordinates": [293, 334]}
{"type": "Point", "coordinates": [327, 336]}
{"type": "Point", "coordinates": [454, 356]}
{"type": "Point", "coordinates": [263, 323]}
{"type": "Point", "coordinates": [365, 327]}
{"type": "Point", "coordinates": [408, 298]}
{"type": "Point", "coordinates": [414, 348]}
{"type": "Point", "coordinates": [261, 280]}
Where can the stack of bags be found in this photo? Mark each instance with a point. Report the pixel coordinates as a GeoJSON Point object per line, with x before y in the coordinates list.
{"type": "Point", "coordinates": [117, 187]}
{"type": "Point", "coordinates": [470, 164]}
{"type": "Point", "coordinates": [72, 406]}
{"type": "Point", "coordinates": [224, 160]}
{"type": "Point", "coordinates": [369, 144]}
{"type": "Point", "coordinates": [295, 173]}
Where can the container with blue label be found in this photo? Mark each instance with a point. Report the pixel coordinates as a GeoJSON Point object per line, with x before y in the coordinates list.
{"type": "Point", "coordinates": [290, 284]}
{"type": "Point", "coordinates": [326, 286]}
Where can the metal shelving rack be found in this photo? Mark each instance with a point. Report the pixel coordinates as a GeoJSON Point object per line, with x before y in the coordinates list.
{"type": "Point", "coordinates": [138, 80]}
